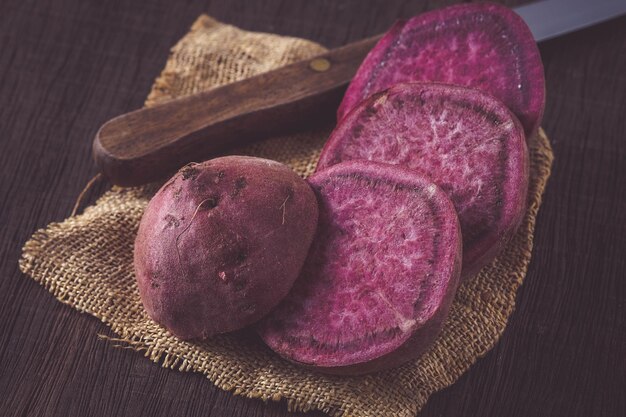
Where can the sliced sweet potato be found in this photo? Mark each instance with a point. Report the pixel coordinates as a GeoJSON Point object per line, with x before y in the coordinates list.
{"type": "Point", "coordinates": [380, 276]}
{"type": "Point", "coordinates": [469, 143]}
{"type": "Point", "coordinates": [480, 45]}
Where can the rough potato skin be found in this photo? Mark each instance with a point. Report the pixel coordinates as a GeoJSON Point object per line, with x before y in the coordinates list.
{"type": "Point", "coordinates": [221, 243]}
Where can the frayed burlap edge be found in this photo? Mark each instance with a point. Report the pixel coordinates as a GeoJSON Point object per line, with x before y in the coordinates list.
{"type": "Point", "coordinates": [86, 261]}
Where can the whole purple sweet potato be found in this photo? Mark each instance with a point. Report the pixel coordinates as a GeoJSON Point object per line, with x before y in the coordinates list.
{"type": "Point", "coordinates": [468, 142]}
{"type": "Point", "coordinates": [480, 45]}
{"type": "Point", "coordinates": [221, 244]}
{"type": "Point", "coordinates": [380, 276]}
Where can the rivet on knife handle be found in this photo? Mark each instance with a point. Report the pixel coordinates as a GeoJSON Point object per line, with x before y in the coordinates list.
{"type": "Point", "coordinates": [319, 64]}
{"type": "Point", "coordinates": [148, 144]}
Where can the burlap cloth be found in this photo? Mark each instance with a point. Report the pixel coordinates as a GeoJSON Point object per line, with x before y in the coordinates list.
{"type": "Point", "coordinates": [86, 261]}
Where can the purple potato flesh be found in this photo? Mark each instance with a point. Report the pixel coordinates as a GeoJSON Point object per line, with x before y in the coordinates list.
{"type": "Point", "coordinates": [380, 275]}
{"type": "Point", "coordinates": [469, 143]}
{"type": "Point", "coordinates": [481, 45]}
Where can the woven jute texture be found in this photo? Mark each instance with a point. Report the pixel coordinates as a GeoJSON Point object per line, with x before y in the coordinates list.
{"type": "Point", "coordinates": [86, 261]}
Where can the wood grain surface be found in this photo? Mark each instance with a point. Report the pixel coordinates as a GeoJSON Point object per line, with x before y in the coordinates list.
{"type": "Point", "coordinates": [151, 143]}
{"type": "Point", "coordinates": [66, 66]}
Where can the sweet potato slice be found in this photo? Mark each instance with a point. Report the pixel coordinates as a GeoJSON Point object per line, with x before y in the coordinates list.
{"type": "Point", "coordinates": [484, 46]}
{"type": "Point", "coordinates": [380, 276]}
{"type": "Point", "coordinates": [469, 144]}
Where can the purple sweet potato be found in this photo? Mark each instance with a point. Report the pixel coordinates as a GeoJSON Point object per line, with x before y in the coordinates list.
{"type": "Point", "coordinates": [221, 244]}
{"type": "Point", "coordinates": [469, 143]}
{"type": "Point", "coordinates": [380, 275]}
{"type": "Point", "coordinates": [484, 46]}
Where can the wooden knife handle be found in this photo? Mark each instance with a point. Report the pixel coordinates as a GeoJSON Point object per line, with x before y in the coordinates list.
{"type": "Point", "coordinates": [148, 144]}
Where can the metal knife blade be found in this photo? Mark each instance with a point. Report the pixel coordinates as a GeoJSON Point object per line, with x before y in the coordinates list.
{"type": "Point", "coordinates": [551, 18]}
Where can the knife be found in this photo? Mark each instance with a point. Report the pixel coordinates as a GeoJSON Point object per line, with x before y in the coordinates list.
{"type": "Point", "coordinates": [147, 144]}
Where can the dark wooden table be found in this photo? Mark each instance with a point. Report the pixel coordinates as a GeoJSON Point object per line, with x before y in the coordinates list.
{"type": "Point", "coordinates": [66, 66]}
